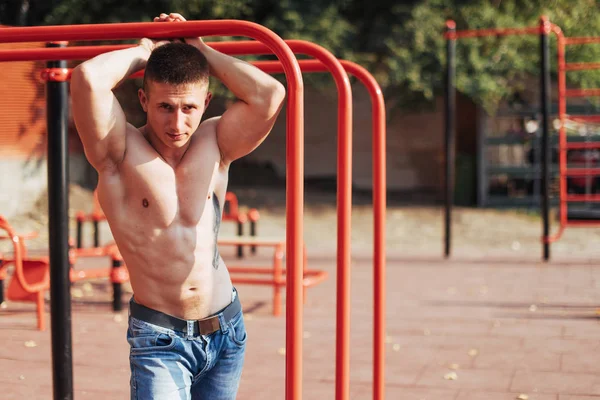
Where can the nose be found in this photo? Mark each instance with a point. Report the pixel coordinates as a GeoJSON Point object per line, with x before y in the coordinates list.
{"type": "Point", "coordinates": [178, 122]}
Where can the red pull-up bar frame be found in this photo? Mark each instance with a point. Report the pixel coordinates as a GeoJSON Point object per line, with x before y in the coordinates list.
{"type": "Point", "coordinates": [294, 154]}
{"type": "Point", "coordinates": [379, 188]}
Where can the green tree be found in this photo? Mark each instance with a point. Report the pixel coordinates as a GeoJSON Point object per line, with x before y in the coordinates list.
{"type": "Point", "coordinates": [401, 43]}
{"type": "Point", "coordinates": [409, 57]}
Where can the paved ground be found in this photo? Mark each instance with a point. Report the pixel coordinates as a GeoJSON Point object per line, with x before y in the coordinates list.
{"type": "Point", "coordinates": [491, 323]}
{"type": "Point", "coordinates": [459, 329]}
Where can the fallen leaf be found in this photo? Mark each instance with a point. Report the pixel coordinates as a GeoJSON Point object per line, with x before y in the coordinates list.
{"type": "Point", "coordinates": [76, 293]}
{"type": "Point", "coordinates": [522, 396]}
{"type": "Point", "coordinates": [396, 347]}
{"type": "Point", "coordinates": [451, 290]}
{"type": "Point", "coordinates": [473, 352]}
{"type": "Point", "coordinates": [118, 318]}
{"type": "Point", "coordinates": [483, 290]}
{"type": "Point", "coordinates": [533, 308]}
{"type": "Point", "coordinates": [281, 351]}
{"type": "Point", "coordinates": [3, 305]}
{"type": "Point", "coordinates": [21, 377]}
{"type": "Point", "coordinates": [306, 335]}
{"type": "Point", "coordinates": [389, 339]}
{"type": "Point", "coordinates": [426, 332]}
{"type": "Point", "coordinates": [454, 366]}
{"type": "Point", "coordinates": [30, 343]}
{"type": "Point", "coordinates": [451, 376]}
{"type": "Point", "coordinates": [248, 317]}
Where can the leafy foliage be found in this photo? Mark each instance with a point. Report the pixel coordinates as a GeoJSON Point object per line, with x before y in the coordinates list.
{"type": "Point", "coordinates": [401, 43]}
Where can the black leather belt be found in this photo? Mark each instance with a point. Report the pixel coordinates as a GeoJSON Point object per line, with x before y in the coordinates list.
{"type": "Point", "coordinates": [204, 326]}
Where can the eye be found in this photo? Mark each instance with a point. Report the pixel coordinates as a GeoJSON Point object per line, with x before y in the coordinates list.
{"type": "Point", "coordinates": [165, 106]}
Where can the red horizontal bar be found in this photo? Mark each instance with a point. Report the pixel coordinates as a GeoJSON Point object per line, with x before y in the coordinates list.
{"type": "Point", "coordinates": [582, 172]}
{"type": "Point", "coordinates": [583, 146]}
{"type": "Point", "coordinates": [471, 33]}
{"type": "Point", "coordinates": [582, 66]}
{"type": "Point", "coordinates": [582, 40]}
{"type": "Point", "coordinates": [583, 197]}
{"type": "Point", "coordinates": [582, 92]}
{"type": "Point", "coordinates": [132, 30]}
{"type": "Point", "coordinates": [584, 118]}
{"type": "Point", "coordinates": [583, 223]}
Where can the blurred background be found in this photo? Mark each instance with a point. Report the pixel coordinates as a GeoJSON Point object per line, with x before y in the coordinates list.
{"type": "Point", "coordinates": [402, 45]}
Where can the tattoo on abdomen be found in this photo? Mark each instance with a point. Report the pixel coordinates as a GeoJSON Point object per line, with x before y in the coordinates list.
{"type": "Point", "coordinates": [216, 227]}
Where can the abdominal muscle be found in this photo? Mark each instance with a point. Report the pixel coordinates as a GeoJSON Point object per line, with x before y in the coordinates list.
{"type": "Point", "coordinates": [171, 270]}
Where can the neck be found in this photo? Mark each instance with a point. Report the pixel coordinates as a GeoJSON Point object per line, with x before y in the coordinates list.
{"type": "Point", "coordinates": [170, 155]}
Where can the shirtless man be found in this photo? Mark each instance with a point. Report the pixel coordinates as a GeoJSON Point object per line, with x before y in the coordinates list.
{"type": "Point", "coordinates": [162, 188]}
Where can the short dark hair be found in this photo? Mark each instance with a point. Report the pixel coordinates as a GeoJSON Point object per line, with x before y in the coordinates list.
{"type": "Point", "coordinates": [176, 63]}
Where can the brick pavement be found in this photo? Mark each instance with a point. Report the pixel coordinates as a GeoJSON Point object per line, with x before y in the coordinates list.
{"type": "Point", "coordinates": [501, 329]}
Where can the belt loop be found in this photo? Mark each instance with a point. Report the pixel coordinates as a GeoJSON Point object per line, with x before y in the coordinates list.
{"type": "Point", "coordinates": [223, 323]}
{"type": "Point", "coordinates": [190, 329]}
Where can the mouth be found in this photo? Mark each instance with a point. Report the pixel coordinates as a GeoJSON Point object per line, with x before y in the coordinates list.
{"type": "Point", "coordinates": [176, 136]}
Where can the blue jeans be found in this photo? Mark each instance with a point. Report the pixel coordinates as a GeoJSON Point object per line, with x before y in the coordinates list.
{"type": "Point", "coordinates": [168, 364]}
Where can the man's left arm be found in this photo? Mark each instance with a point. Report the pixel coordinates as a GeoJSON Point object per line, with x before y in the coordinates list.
{"type": "Point", "coordinates": [245, 124]}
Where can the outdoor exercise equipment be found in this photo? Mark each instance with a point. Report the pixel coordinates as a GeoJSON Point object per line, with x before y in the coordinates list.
{"type": "Point", "coordinates": [452, 35]}
{"type": "Point", "coordinates": [240, 48]}
{"type": "Point", "coordinates": [30, 278]}
{"type": "Point", "coordinates": [58, 182]}
{"type": "Point", "coordinates": [570, 215]}
{"type": "Point", "coordinates": [89, 32]}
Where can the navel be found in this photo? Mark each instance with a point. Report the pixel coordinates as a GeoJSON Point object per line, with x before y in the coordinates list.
{"type": "Point", "coordinates": [145, 203]}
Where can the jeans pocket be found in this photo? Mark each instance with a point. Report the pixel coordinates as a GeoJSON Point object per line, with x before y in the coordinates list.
{"type": "Point", "coordinates": [143, 339]}
{"type": "Point", "coordinates": [237, 331]}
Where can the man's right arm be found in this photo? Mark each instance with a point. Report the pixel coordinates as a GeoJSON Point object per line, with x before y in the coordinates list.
{"type": "Point", "coordinates": [98, 115]}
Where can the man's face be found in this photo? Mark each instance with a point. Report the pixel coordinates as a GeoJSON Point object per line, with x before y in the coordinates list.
{"type": "Point", "coordinates": [174, 112]}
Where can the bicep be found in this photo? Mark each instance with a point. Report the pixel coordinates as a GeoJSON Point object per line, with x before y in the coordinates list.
{"type": "Point", "coordinates": [100, 121]}
{"type": "Point", "coordinates": [241, 129]}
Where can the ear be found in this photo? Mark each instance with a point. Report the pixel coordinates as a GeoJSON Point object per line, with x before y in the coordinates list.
{"type": "Point", "coordinates": [143, 99]}
{"type": "Point", "coordinates": [207, 100]}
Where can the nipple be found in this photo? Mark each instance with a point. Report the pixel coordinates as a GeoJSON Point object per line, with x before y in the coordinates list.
{"type": "Point", "coordinates": [145, 203]}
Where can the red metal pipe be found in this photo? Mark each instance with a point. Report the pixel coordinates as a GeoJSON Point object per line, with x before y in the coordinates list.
{"type": "Point", "coordinates": [379, 204]}
{"type": "Point", "coordinates": [582, 172]}
{"type": "Point", "coordinates": [582, 66]}
{"type": "Point", "coordinates": [583, 197]}
{"type": "Point", "coordinates": [379, 193]}
{"type": "Point", "coordinates": [379, 156]}
{"type": "Point", "coordinates": [294, 147]}
{"type": "Point", "coordinates": [583, 118]}
{"type": "Point", "coordinates": [472, 33]}
{"type": "Point", "coordinates": [582, 40]}
{"type": "Point", "coordinates": [582, 92]}
{"type": "Point", "coordinates": [562, 137]}
{"type": "Point", "coordinates": [583, 223]}
{"type": "Point", "coordinates": [583, 146]}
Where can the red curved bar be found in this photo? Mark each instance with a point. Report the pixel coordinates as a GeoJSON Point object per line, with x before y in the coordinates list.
{"type": "Point", "coordinates": [294, 147]}
{"type": "Point", "coordinates": [379, 204]}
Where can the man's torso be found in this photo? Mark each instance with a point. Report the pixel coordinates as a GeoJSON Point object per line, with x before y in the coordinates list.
{"type": "Point", "coordinates": [165, 222]}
